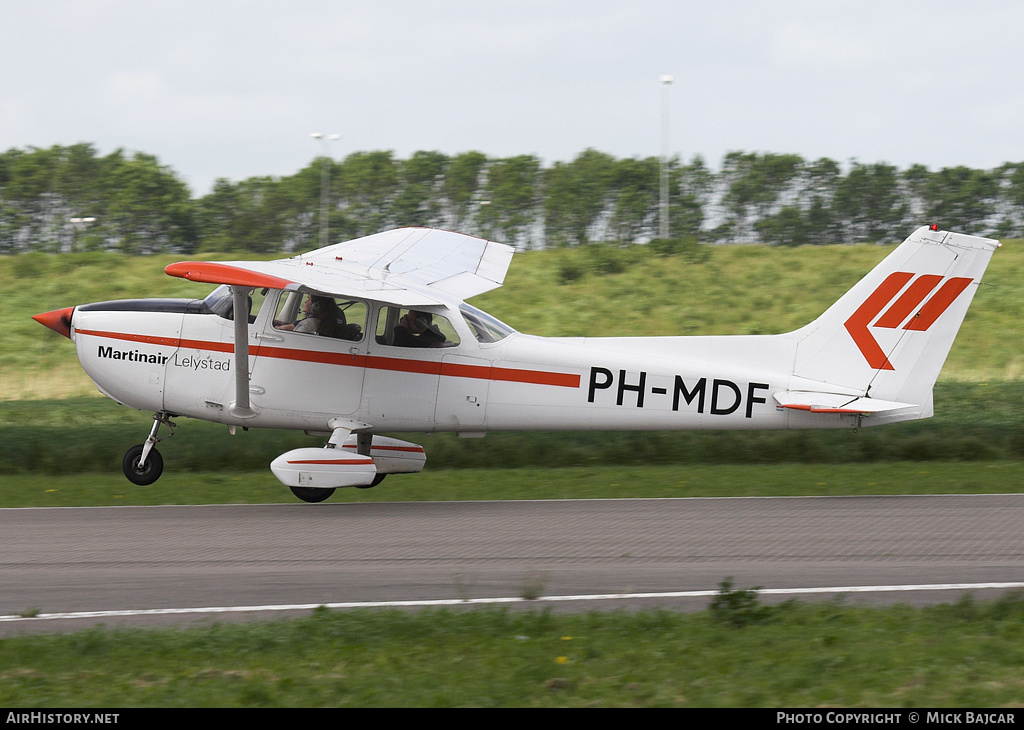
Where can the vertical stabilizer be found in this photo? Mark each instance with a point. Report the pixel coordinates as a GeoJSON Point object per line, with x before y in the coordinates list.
{"type": "Point", "coordinates": [888, 337]}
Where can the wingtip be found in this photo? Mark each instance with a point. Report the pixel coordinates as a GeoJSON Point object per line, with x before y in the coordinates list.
{"type": "Point", "coordinates": [211, 272]}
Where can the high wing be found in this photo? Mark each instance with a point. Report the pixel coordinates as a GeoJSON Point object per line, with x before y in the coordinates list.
{"type": "Point", "coordinates": [405, 267]}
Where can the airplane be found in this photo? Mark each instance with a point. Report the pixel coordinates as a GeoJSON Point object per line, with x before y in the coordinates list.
{"type": "Point", "coordinates": [374, 335]}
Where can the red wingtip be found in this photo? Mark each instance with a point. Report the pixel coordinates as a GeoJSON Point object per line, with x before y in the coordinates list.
{"type": "Point", "coordinates": [212, 272]}
{"type": "Point", "coordinates": [59, 320]}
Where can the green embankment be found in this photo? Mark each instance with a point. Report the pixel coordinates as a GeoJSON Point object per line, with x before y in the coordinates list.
{"type": "Point", "coordinates": [594, 290]}
{"type": "Point", "coordinates": [973, 422]}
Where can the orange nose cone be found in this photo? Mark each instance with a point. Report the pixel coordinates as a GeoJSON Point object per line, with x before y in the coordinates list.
{"type": "Point", "coordinates": [59, 320]}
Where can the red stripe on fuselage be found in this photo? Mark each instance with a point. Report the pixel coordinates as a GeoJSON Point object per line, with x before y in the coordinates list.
{"type": "Point", "coordinates": [324, 358]}
{"type": "Point", "coordinates": [335, 462]}
{"type": "Point", "coordinates": [409, 449]}
{"type": "Point", "coordinates": [148, 339]}
{"type": "Point", "coordinates": [394, 364]}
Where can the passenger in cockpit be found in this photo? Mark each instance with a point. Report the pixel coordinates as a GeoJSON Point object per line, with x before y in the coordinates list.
{"type": "Point", "coordinates": [417, 329]}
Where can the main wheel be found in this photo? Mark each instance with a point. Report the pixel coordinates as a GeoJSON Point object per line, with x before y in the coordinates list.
{"type": "Point", "coordinates": [376, 480]}
{"type": "Point", "coordinates": [143, 475]}
{"type": "Point", "coordinates": [311, 494]}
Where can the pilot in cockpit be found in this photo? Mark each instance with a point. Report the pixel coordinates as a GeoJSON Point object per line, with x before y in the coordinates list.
{"type": "Point", "coordinates": [417, 329]}
{"type": "Point", "coordinates": [325, 318]}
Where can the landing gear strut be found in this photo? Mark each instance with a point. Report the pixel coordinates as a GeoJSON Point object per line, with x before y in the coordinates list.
{"type": "Point", "coordinates": [142, 463]}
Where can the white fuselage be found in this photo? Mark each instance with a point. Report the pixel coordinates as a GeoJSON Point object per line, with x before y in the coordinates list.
{"type": "Point", "coordinates": [182, 362]}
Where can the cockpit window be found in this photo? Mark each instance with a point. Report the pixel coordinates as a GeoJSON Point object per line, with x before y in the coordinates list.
{"type": "Point", "coordinates": [219, 301]}
{"type": "Point", "coordinates": [485, 327]}
{"type": "Point", "coordinates": [319, 314]}
{"type": "Point", "coordinates": [414, 328]}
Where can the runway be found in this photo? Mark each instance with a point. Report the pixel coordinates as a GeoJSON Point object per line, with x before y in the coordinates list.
{"type": "Point", "coordinates": [172, 564]}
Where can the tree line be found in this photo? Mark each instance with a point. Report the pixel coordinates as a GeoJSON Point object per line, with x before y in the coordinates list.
{"type": "Point", "coordinates": [71, 198]}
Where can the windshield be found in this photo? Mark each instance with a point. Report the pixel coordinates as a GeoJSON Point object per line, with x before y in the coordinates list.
{"type": "Point", "coordinates": [485, 327]}
{"type": "Point", "coordinates": [219, 301]}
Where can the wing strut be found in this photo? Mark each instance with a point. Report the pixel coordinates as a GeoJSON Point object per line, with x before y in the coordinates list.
{"type": "Point", "coordinates": [240, 313]}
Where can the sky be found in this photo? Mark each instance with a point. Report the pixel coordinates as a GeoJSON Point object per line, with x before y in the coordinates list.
{"type": "Point", "coordinates": [234, 88]}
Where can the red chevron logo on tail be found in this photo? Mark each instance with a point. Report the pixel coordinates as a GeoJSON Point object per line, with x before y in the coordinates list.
{"type": "Point", "coordinates": [905, 306]}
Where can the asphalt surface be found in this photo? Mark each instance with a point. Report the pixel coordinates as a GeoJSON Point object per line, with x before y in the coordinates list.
{"type": "Point", "coordinates": [181, 564]}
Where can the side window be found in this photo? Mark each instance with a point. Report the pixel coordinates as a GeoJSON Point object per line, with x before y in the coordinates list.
{"type": "Point", "coordinates": [316, 314]}
{"type": "Point", "coordinates": [414, 328]}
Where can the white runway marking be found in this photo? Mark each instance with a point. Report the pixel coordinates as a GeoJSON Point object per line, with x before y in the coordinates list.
{"type": "Point", "coordinates": [506, 600]}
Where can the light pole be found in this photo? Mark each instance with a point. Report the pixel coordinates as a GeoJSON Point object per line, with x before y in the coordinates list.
{"type": "Point", "coordinates": [325, 179]}
{"type": "Point", "coordinates": [666, 81]}
{"type": "Point", "coordinates": [79, 224]}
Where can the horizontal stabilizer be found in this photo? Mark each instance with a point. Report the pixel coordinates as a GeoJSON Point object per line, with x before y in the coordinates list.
{"type": "Point", "coordinates": [803, 400]}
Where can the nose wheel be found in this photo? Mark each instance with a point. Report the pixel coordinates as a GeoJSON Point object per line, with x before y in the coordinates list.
{"type": "Point", "coordinates": [142, 463]}
{"type": "Point", "coordinates": [139, 472]}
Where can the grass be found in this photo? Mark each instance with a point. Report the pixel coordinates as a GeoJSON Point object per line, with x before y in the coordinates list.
{"type": "Point", "coordinates": [829, 654]}
{"type": "Point", "coordinates": [727, 290]}
{"type": "Point", "coordinates": [604, 482]}
{"type": "Point", "coordinates": [973, 422]}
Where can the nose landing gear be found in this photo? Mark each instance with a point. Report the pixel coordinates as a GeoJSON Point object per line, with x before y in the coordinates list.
{"type": "Point", "coordinates": [142, 463]}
